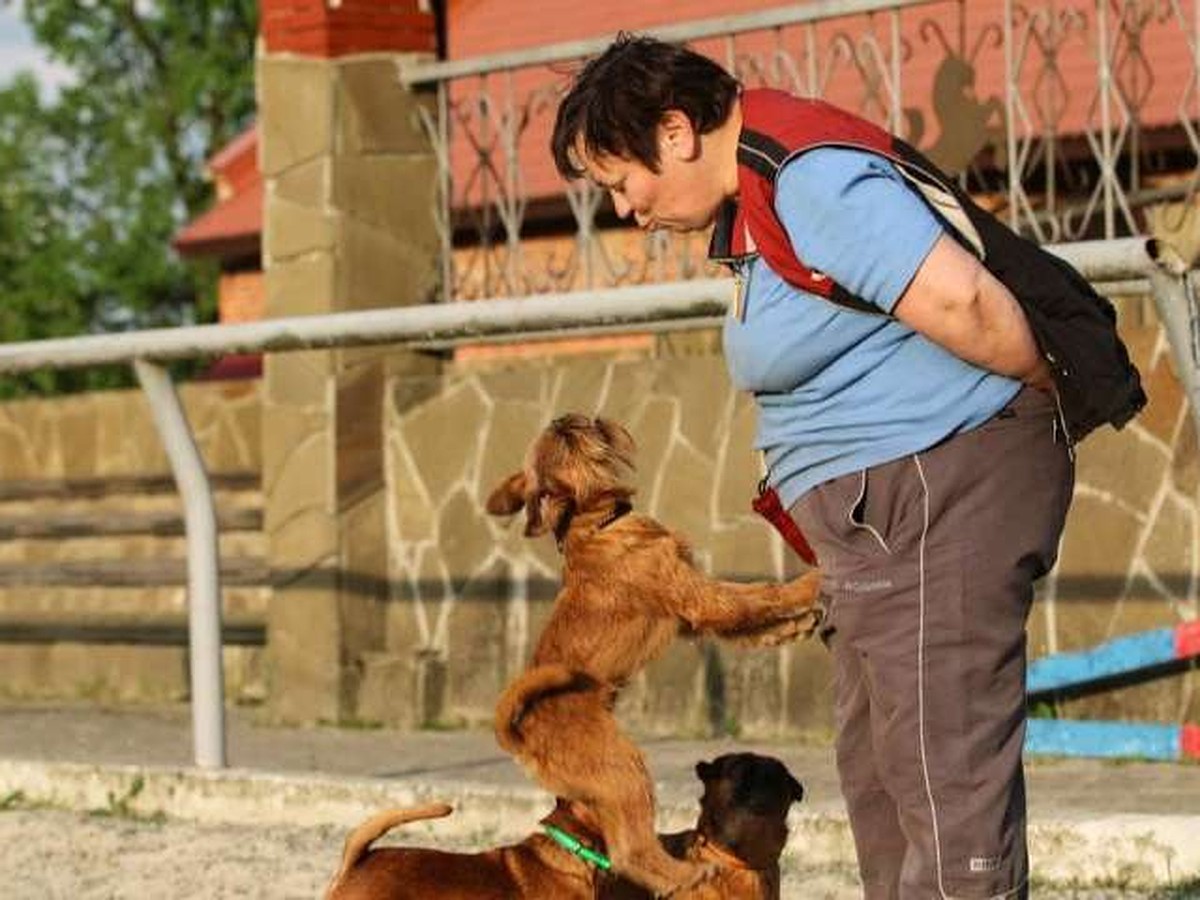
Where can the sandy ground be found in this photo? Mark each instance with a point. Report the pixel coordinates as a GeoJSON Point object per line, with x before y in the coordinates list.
{"type": "Point", "coordinates": [49, 854]}
{"type": "Point", "coordinates": [54, 855]}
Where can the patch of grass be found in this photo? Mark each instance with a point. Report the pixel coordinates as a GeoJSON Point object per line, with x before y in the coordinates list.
{"type": "Point", "coordinates": [353, 723]}
{"type": "Point", "coordinates": [12, 800]}
{"type": "Point", "coordinates": [451, 724]}
{"type": "Point", "coordinates": [1043, 709]}
{"type": "Point", "coordinates": [1114, 888]}
{"type": "Point", "coordinates": [121, 807]}
{"type": "Point", "coordinates": [1185, 890]}
{"type": "Point", "coordinates": [19, 801]}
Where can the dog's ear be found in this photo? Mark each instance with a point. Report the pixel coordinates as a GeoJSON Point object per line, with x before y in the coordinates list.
{"type": "Point", "coordinates": [620, 440]}
{"type": "Point", "coordinates": [509, 496]}
{"type": "Point", "coordinates": [795, 788]}
{"type": "Point", "coordinates": [704, 771]}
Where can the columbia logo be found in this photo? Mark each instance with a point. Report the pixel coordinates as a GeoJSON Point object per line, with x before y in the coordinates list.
{"type": "Point", "coordinates": [984, 863]}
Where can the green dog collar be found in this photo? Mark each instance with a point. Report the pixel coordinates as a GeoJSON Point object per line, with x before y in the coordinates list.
{"type": "Point", "coordinates": [575, 847]}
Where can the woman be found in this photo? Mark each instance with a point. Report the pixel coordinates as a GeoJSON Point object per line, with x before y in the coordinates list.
{"type": "Point", "coordinates": [912, 424]}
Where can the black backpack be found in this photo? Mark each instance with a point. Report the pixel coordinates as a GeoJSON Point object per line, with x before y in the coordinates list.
{"type": "Point", "coordinates": [1075, 327]}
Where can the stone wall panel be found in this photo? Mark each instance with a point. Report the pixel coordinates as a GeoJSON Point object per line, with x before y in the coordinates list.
{"type": "Point", "coordinates": [755, 691]}
{"type": "Point", "coordinates": [652, 426]}
{"type": "Point", "coordinates": [304, 667]}
{"type": "Point", "coordinates": [376, 119]}
{"type": "Point", "coordinates": [377, 269]}
{"type": "Point", "coordinates": [20, 456]}
{"type": "Point", "coordinates": [303, 94]}
{"type": "Point", "coordinates": [1165, 401]}
{"type": "Point", "coordinates": [585, 386]}
{"type": "Point", "coordinates": [1171, 547]}
{"type": "Point", "coordinates": [441, 441]}
{"type": "Point", "coordinates": [301, 229]}
{"type": "Point", "coordinates": [476, 664]}
{"type": "Point", "coordinates": [809, 690]}
{"type": "Point", "coordinates": [685, 488]}
{"type": "Point", "coordinates": [704, 395]}
{"type": "Point", "coordinates": [1185, 461]}
{"type": "Point", "coordinates": [389, 192]}
{"type": "Point", "coordinates": [78, 429]}
{"type": "Point", "coordinates": [304, 186]}
{"type": "Point", "coordinates": [359, 437]}
{"type": "Point", "coordinates": [1126, 466]}
{"type": "Point", "coordinates": [506, 435]}
{"type": "Point", "coordinates": [301, 286]}
{"type": "Point", "coordinates": [670, 696]}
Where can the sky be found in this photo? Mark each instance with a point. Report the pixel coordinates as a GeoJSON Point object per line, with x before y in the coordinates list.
{"type": "Point", "coordinates": [18, 51]}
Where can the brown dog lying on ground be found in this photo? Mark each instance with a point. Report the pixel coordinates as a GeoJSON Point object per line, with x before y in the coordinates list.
{"type": "Point", "coordinates": [536, 867]}
{"type": "Point", "coordinates": [741, 831]}
{"type": "Point", "coordinates": [629, 588]}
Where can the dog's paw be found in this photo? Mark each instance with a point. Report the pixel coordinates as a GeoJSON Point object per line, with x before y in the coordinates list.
{"type": "Point", "coordinates": [784, 632]}
{"type": "Point", "coordinates": [783, 629]}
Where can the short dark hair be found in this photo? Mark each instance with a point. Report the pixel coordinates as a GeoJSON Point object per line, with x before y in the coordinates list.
{"type": "Point", "coordinates": [618, 99]}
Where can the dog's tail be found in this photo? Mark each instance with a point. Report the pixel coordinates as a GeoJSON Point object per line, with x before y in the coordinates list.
{"type": "Point", "coordinates": [525, 690]}
{"type": "Point", "coordinates": [360, 839]}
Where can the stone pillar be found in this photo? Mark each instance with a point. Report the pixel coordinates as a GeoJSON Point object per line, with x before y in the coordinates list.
{"type": "Point", "coordinates": [348, 224]}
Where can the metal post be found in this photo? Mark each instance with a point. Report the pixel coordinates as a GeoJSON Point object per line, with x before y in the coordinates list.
{"type": "Point", "coordinates": [204, 578]}
{"type": "Point", "coordinates": [1176, 304]}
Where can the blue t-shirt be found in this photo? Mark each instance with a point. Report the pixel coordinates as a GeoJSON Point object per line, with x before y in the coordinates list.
{"type": "Point", "coordinates": [839, 390]}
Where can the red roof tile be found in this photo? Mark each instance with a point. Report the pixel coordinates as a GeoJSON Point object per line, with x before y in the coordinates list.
{"type": "Point", "coordinates": [232, 227]}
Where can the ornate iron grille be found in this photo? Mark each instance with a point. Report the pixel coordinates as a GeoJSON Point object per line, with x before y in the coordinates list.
{"type": "Point", "coordinates": [1072, 119]}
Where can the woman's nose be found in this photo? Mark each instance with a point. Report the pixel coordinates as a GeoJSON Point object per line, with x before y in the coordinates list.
{"type": "Point", "coordinates": [621, 206]}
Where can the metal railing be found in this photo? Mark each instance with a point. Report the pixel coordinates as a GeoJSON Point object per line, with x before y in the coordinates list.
{"type": "Point", "coordinates": [1070, 116]}
{"type": "Point", "coordinates": [1133, 264]}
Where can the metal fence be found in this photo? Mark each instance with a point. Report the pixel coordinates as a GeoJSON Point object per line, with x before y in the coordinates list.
{"type": "Point", "coordinates": [1125, 265]}
{"type": "Point", "coordinates": [1069, 117]}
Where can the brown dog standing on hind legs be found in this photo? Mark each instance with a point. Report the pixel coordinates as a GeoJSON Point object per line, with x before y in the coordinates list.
{"type": "Point", "coordinates": [629, 589]}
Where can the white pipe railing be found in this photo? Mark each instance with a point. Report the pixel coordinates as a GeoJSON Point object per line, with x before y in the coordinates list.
{"type": "Point", "coordinates": [204, 575]}
{"type": "Point", "coordinates": [684, 304]}
{"type": "Point", "coordinates": [1130, 262]}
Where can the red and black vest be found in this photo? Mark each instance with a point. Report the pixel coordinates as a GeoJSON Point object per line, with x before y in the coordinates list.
{"type": "Point", "coordinates": [1074, 326]}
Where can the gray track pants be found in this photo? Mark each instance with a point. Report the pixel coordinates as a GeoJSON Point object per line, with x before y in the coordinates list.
{"type": "Point", "coordinates": [930, 562]}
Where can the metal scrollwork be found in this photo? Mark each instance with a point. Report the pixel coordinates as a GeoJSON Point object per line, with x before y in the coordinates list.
{"type": "Point", "coordinates": [1059, 115]}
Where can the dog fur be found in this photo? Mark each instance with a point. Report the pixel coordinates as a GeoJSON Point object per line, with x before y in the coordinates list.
{"type": "Point", "coordinates": [534, 868]}
{"type": "Point", "coordinates": [629, 589]}
{"type": "Point", "coordinates": [740, 832]}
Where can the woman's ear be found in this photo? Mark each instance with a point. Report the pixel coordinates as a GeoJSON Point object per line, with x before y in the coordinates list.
{"type": "Point", "coordinates": [509, 496]}
{"type": "Point", "coordinates": [677, 136]}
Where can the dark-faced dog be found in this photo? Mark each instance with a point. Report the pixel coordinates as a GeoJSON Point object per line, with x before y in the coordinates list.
{"type": "Point", "coordinates": [740, 832]}
{"type": "Point", "coordinates": [629, 589]}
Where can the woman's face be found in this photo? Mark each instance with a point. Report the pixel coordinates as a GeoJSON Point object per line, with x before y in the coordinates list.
{"type": "Point", "coordinates": [683, 195]}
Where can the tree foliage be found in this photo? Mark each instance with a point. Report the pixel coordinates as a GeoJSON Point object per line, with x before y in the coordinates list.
{"type": "Point", "coordinates": [95, 180]}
